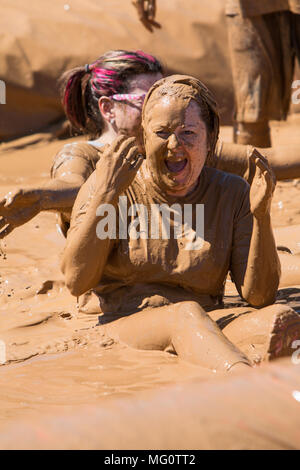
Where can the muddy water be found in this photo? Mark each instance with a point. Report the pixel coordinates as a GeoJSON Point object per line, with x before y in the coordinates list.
{"type": "Point", "coordinates": [259, 410]}
{"type": "Point", "coordinates": [57, 358]}
{"type": "Point", "coordinates": [67, 361]}
{"type": "Point", "coordinates": [84, 376]}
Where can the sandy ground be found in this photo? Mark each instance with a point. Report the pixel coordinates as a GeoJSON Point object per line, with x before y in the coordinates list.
{"type": "Point", "coordinates": [57, 359]}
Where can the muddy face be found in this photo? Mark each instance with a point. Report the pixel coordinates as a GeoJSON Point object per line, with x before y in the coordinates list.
{"type": "Point", "coordinates": [175, 142]}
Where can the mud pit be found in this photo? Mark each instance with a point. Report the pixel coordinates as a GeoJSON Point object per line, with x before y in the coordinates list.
{"type": "Point", "coordinates": [58, 362]}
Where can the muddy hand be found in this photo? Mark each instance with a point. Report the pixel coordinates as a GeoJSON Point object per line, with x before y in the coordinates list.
{"type": "Point", "coordinates": [262, 188]}
{"type": "Point", "coordinates": [119, 164]}
{"type": "Point", "coordinates": [146, 12]}
{"type": "Point", "coordinates": [17, 208]}
{"type": "Point", "coordinates": [252, 154]}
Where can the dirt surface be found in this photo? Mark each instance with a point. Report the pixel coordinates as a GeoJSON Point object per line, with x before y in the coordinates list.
{"type": "Point", "coordinates": [62, 377]}
{"type": "Point", "coordinates": [57, 358]}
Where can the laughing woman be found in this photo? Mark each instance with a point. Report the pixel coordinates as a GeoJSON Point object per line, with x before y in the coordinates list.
{"type": "Point", "coordinates": [155, 292]}
{"type": "Point", "coordinates": [104, 99]}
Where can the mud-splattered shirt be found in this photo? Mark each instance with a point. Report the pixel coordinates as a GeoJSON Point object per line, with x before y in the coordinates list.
{"type": "Point", "coordinates": [75, 160]}
{"type": "Point", "coordinates": [78, 159]}
{"type": "Point", "coordinates": [144, 272]}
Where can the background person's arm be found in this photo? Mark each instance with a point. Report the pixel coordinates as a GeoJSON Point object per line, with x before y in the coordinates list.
{"type": "Point", "coordinates": [20, 206]}
{"type": "Point", "coordinates": [284, 160]}
{"type": "Point", "coordinates": [58, 194]}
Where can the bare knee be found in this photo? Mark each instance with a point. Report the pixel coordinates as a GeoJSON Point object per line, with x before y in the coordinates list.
{"type": "Point", "coordinates": [189, 311]}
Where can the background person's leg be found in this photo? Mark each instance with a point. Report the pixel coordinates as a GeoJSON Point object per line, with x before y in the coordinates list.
{"type": "Point", "coordinates": [262, 334]}
{"type": "Point", "coordinates": [235, 158]}
{"type": "Point", "coordinates": [284, 160]}
{"type": "Point", "coordinates": [262, 59]}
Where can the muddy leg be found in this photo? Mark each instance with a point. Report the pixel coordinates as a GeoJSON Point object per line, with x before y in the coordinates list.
{"type": "Point", "coordinates": [290, 269]}
{"type": "Point", "coordinates": [257, 134]}
{"type": "Point", "coordinates": [284, 160]}
{"type": "Point", "coordinates": [263, 334]}
{"type": "Point", "coordinates": [183, 327]}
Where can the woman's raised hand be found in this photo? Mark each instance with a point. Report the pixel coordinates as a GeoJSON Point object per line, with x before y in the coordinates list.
{"type": "Point", "coordinates": [17, 208]}
{"type": "Point", "coordinates": [262, 188]}
{"type": "Point", "coordinates": [119, 164]}
{"type": "Point", "coordinates": [146, 12]}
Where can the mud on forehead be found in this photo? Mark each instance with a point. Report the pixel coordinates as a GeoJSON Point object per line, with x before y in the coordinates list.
{"type": "Point", "coordinates": [182, 92]}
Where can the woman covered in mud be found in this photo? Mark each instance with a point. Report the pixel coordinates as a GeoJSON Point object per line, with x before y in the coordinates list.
{"type": "Point", "coordinates": [154, 291]}
{"type": "Point", "coordinates": [103, 100]}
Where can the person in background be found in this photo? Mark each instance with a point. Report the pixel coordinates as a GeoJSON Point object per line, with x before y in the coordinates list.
{"type": "Point", "coordinates": [264, 41]}
{"type": "Point", "coordinates": [101, 100]}
{"type": "Point", "coordinates": [155, 292]}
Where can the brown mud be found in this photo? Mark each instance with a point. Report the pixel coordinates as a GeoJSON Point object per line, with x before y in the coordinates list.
{"type": "Point", "coordinates": [56, 358]}
{"type": "Point", "coordinates": [259, 410]}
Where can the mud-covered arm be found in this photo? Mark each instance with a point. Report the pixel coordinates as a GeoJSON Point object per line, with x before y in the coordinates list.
{"type": "Point", "coordinates": [284, 160]}
{"type": "Point", "coordinates": [85, 254]}
{"type": "Point", "coordinates": [87, 250]}
{"type": "Point", "coordinates": [71, 168]}
{"type": "Point", "coordinates": [57, 193]}
{"type": "Point", "coordinates": [255, 265]}
{"type": "Point", "coordinates": [69, 172]}
{"type": "Point", "coordinates": [237, 159]}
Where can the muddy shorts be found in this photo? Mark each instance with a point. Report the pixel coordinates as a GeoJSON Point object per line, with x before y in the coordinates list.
{"type": "Point", "coordinates": [263, 49]}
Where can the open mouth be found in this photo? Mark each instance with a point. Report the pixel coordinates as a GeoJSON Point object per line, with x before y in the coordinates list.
{"type": "Point", "coordinates": [175, 166]}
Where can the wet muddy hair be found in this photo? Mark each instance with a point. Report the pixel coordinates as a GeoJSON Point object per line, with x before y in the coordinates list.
{"type": "Point", "coordinates": [191, 88]}
{"type": "Point", "coordinates": [81, 87]}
